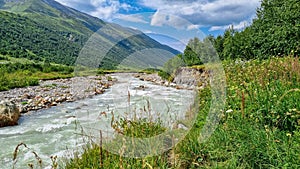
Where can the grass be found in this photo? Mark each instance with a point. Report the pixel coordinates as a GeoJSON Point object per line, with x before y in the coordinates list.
{"type": "Point", "coordinates": [17, 73]}
{"type": "Point", "coordinates": [260, 125]}
{"type": "Point", "coordinates": [26, 78]}
{"type": "Point", "coordinates": [95, 156]}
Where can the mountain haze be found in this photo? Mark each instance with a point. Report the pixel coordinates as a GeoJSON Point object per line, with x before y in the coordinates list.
{"type": "Point", "coordinates": [45, 30]}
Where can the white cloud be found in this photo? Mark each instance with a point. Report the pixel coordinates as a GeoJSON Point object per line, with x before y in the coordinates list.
{"type": "Point", "coordinates": [191, 27]}
{"type": "Point", "coordinates": [164, 19]}
{"type": "Point", "coordinates": [148, 31]}
{"type": "Point", "coordinates": [132, 18]}
{"type": "Point", "coordinates": [103, 9]}
{"type": "Point", "coordinates": [183, 14]}
{"type": "Point", "coordinates": [203, 12]}
{"type": "Point", "coordinates": [238, 26]}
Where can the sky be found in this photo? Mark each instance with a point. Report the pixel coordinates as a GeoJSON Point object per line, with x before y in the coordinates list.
{"type": "Point", "coordinates": [177, 19]}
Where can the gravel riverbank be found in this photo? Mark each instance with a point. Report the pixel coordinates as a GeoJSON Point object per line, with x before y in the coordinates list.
{"type": "Point", "coordinates": [53, 92]}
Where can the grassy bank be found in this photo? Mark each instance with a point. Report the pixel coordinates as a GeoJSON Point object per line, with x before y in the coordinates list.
{"type": "Point", "coordinates": [21, 72]}
{"type": "Point", "coordinates": [259, 126]}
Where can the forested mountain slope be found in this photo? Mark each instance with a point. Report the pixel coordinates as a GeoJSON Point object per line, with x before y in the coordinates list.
{"type": "Point", "coordinates": [45, 30]}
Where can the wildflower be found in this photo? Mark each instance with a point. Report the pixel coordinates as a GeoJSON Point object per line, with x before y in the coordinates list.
{"type": "Point", "coordinates": [229, 111]}
{"type": "Point", "coordinates": [288, 113]}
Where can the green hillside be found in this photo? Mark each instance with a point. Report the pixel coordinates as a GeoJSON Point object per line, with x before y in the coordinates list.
{"type": "Point", "coordinates": [45, 30]}
{"type": "Point", "coordinates": [22, 37]}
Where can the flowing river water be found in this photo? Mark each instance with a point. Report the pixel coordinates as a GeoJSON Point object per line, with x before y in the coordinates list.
{"type": "Point", "coordinates": [57, 131]}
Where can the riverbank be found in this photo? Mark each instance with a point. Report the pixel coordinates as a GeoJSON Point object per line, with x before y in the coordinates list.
{"type": "Point", "coordinates": [53, 92]}
{"type": "Point", "coordinates": [184, 78]}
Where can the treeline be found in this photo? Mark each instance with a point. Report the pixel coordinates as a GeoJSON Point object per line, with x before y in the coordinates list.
{"type": "Point", "coordinates": [274, 32]}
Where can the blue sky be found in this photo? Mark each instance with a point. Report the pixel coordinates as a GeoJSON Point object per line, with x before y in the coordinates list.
{"type": "Point", "coordinates": [178, 19]}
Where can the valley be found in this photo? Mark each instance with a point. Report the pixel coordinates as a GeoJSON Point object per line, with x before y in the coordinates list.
{"type": "Point", "coordinates": [79, 91]}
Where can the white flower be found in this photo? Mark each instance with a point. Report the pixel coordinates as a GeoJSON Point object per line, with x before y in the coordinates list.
{"type": "Point", "coordinates": [229, 111]}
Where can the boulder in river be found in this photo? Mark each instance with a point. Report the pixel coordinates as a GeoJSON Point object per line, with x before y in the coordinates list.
{"type": "Point", "coordinates": [9, 114]}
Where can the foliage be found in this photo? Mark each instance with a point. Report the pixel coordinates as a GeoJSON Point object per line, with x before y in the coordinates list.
{"type": "Point", "coordinates": [164, 75]}
{"type": "Point", "coordinates": [3, 57]}
{"type": "Point", "coordinates": [274, 32]}
{"type": "Point", "coordinates": [191, 55]}
{"type": "Point", "coordinates": [170, 67]}
{"type": "Point", "coordinates": [260, 125]}
{"type": "Point", "coordinates": [14, 75]}
{"type": "Point", "coordinates": [272, 86]}
{"type": "Point", "coordinates": [23, 38]}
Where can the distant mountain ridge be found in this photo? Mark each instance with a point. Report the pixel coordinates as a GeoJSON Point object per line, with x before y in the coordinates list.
{"type": "Point", "coordinates": [45, 30]}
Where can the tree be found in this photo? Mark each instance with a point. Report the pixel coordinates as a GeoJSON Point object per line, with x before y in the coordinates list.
{"type": "Point", "coordinates": [192, 53]}
{"type": "Point", "coordinates": [171, 65]}
{"type": "Point", "coordinates": [274, 32]}
{"type": "Point", "coordinates": [277, 28]}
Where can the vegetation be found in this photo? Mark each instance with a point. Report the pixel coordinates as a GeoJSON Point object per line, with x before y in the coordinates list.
{"type": "Point", "coordinates": [21, 74]}
{"type": "Point", "coordinates": [260, 125]}
{"type": "Point", "coordinates": [274, 32]}
{"type": "Point", "coordinates": [95, 156]}
{"type": "Point", "coordinates": [22, 37]}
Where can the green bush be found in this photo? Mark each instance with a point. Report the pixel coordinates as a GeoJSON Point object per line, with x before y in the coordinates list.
{"type": "Point", "coordinates": [15, 75]}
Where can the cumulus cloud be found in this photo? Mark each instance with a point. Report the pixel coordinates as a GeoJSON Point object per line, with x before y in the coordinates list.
{"type": "Point", "coordinates": [216, 13]}
{"type": "Point", "coordinates": [183, 14]}
{"type": "Point", "coordinates": [164, 19]}
{"type": "Point", "coordinates": [104, 9]}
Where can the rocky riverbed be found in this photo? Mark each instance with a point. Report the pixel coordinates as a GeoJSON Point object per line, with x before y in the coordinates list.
{"type": "Point", "coordinates": [53, 92]}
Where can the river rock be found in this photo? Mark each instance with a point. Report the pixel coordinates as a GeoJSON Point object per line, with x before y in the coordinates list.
{"type": "Point", "coordinates": [9, 114]}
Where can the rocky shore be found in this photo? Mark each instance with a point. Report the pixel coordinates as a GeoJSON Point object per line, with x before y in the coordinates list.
{"type": "Point", "coordinates": [184, 78]}
{"type": "Point", "coordinates": [53, 92]}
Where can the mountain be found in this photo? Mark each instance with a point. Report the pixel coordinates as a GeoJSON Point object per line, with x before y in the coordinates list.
{"type": "Point", "coordinates": [45, 30]}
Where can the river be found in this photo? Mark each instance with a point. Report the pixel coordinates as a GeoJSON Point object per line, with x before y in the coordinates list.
{"type": "Point", "coordinates": [57, 131]}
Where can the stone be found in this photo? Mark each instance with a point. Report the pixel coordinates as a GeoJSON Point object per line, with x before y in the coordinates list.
{"type": "Point", "coordinates": [53, 104]}
{"type": "Point", "coordinates": [181, 126]}
{"type": "Point", "coordinates": [9, 114]}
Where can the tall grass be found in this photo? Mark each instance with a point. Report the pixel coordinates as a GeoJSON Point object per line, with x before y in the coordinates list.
{"type": "Point", "coordinates": [95, 156]}
{"type": "Point", "coordinates": [260, 126]}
